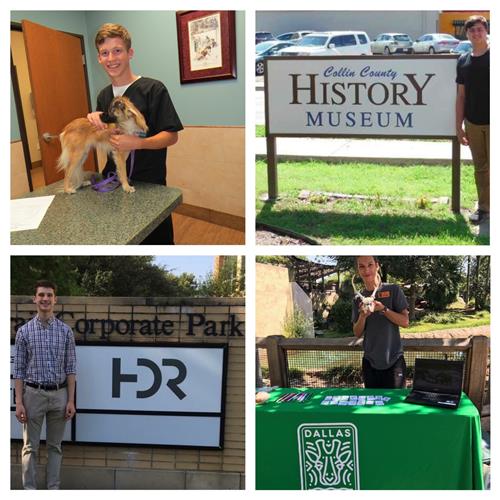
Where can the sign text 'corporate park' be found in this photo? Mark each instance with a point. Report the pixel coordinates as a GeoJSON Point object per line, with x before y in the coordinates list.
{"type": "Point", "coordinates": [361, 96]}
{"type": "Point", "coordinates": [192, 324]}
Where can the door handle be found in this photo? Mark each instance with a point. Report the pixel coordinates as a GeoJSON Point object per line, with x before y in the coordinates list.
{"type": "Point", "coordinates": [47, 137]}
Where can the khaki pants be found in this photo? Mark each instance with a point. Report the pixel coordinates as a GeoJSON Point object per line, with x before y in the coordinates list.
{"type": "Point", "coordinates": [479, 143]}
{"type": "Point", "coordinates": [40, 405]}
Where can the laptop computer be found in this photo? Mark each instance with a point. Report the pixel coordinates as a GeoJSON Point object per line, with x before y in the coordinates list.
{"type": "Point", "coordinates": [437, 382]}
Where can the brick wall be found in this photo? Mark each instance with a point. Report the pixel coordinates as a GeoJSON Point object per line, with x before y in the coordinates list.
{"type": "Point", "coordinates": [205, 320]}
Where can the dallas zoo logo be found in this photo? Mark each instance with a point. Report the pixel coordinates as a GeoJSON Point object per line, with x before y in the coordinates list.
{"type": "Point", "coordinates": [328, 456]}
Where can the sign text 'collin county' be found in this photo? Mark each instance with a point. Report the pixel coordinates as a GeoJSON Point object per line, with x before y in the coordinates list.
{"type": "Point", "coordinates": [195, 323]}
{"type": "Point", "coordinates": [360, 96]}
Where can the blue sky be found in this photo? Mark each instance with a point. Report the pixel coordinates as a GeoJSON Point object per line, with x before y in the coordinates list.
{"type": "Point", "coordinates": [200, 266]}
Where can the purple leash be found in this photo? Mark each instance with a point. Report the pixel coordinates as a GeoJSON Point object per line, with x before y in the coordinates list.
{"type": "Point", "coordinates": [111, 182]}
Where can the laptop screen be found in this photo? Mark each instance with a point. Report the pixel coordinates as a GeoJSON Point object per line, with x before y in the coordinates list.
{"type": "Point", "coordinates": [437, 375]}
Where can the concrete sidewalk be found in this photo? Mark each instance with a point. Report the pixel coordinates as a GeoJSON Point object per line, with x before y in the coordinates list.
{"type": "Point", "coordinates": [386, 151]}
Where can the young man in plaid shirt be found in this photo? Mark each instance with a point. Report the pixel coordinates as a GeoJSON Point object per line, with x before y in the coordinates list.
{"type": "Point", "coordinates": [44, 371]}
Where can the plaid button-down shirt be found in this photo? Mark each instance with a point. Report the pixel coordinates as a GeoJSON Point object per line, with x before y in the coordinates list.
{"type": "Point", "coordinates": [44, 354]}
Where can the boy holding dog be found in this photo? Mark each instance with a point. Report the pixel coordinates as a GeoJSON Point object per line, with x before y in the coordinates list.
{"type": "Point", "coordinates": [114, 52]}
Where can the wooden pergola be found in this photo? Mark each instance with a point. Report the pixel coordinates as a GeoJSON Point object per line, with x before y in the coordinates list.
{"type": "Point", "coordinates": [310, 275]}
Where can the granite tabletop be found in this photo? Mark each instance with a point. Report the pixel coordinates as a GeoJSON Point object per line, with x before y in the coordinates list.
{"type": "Point", "coordinates": [91, 218]}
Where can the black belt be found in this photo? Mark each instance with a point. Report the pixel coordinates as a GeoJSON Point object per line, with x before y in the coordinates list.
{"type": "Point", "coordinates": [47, 387]}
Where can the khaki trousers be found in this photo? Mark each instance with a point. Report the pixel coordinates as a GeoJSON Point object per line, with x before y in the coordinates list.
{"type": "Point", "coordinates": [40, 405]}
{"type": "Point", "coordinates": [479, 143]}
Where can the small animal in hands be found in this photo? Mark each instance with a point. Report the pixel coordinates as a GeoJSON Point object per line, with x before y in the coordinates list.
{"type": "Point", "coordinates": [80, 136]}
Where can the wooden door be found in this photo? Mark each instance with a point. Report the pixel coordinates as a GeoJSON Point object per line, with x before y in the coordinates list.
{"type": "Point", "coordinates": [59, 88]}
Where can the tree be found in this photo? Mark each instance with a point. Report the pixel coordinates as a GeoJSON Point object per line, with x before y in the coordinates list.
{"type": "Point", "coordinates": [131, 276]}
{"type": "Point", "coordinates": [443, 281]}
{"type": "Point", "coordinates": [27, 270]}
{"type": "Point", "coordinates": [125, 276]}
{"type": "Point", "coordinates": [481, 282]}
{"type": "Point", "coordinates": [408, 270]}
{"type": "Point", "coordinates": [437, 276]}
{"type": "Point", "coordinates": [229, 281]}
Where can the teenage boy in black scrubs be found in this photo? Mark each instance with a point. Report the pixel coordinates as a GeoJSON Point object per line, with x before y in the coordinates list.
{"type": "Point", "coordinates": [113, 43]}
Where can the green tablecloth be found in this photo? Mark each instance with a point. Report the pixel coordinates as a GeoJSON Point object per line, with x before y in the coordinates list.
{"type": "Point", "coordinates": [395, 446]}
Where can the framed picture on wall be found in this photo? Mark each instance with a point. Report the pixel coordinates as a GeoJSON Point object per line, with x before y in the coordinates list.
{"type": "Point", "coordinates": [207, 45]}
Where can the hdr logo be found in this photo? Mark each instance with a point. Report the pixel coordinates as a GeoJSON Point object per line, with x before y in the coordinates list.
{"type": "Point", "coordinates": [328, 456]}
{"type": "Point", "coordinates": [119, 378]}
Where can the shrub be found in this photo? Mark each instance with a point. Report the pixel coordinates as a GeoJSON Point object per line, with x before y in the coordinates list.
{"type": "Point", "coordinates": [297, 324]}
{"type": "Point", "coordinates": [338, 376]}
{"type": "Point", "coordinates": [441, 318]}
{"type": "Point", "coordinates": [339, 318]}
{"type": "Point", "coordinates": [296, 375]}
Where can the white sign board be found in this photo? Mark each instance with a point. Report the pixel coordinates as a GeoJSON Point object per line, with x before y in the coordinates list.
{"type": "Point", "coordinates": [164, 379]}
{"type": "Point", "coordinates": [372, 96]}
{"type": "Point", "coordinates": [159, 395]}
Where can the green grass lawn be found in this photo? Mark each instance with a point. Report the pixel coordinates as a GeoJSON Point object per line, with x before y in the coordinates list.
{"type": "Point", "coordinates": [375, 221]}
{"type": "Point", "coordinates": [458, 320]}
{"type": "Point", "coordinates": [437, 321]}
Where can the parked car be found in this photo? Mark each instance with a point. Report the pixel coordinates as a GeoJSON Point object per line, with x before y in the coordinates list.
{"type": "Point", "coordinates": [266, 49]}
{"type": "Point", "coordinates": [462, 47]}
{"type": "Point", "coordinates": [263, 36]}
{"type": "Point", "coordinates": [434, 43]}
{"type": "Point", "coordinates": [392, 43]}
{"type": "Point", "coordinates": [293, 36]}
{"type": "Point", "coordinates": [331, 43]}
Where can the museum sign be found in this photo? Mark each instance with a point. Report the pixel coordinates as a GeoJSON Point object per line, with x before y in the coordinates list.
{"type": "Point", "coordinates": [396, 96]}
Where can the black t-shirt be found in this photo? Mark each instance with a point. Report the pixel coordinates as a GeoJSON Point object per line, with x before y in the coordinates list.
{"type": "Point", "coordinates": [474, 73]}
{"type": "Point", "coordinates": [152, 99]}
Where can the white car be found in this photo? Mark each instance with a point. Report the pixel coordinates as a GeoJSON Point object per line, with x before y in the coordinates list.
{"type": "Point", "coordinates": [392, 43]}
{"type": "Point", "coordinates": [331, 43]}
{"type": "Point", "coordinates": [434, 43]}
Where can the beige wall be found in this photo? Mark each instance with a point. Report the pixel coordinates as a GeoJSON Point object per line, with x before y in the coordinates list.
{"type": "Point", "coordinates": [18, 176]}
{"type": "Point", "coordinates": [273, 299]}
{"type": "Point", "coordinates": [21, 63]}
{"type": "Point", "coordinates": [208, 164]}
{"type": "Point", "coordinates": [221, 468]}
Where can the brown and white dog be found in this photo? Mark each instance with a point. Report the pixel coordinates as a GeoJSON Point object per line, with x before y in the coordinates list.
{"type": "Point", "coordinates": [80, 136]}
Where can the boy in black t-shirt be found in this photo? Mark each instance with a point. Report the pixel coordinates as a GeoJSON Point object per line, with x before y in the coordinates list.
{"type": "Point", "coordinates": [473, 108]}
{"type": "Point", "coordinates": [150, 96]}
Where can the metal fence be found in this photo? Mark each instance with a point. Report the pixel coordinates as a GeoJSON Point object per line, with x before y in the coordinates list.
{"type": "Point", "coordinates": [337, 362]}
